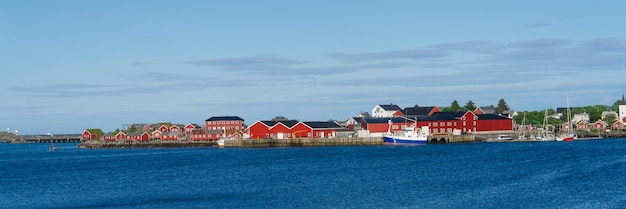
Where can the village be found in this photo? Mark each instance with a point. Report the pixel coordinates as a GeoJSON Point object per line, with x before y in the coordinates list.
{"type": "Point", "coordinates": [485, 122]}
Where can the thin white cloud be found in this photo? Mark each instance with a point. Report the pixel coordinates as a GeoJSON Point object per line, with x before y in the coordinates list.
{"type": "Point", "coordinates": [415, 54]}
{"type": "Point", "coordinates": [263, 60]}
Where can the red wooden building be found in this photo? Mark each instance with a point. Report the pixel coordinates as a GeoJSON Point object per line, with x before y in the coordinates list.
{"type": "Point", "coordinates": [206, 135]}
{"type": "Point", "coordinates": [138, 136]}
{"type": "Point", "coordinates": [157, 134]}
{"type": "Point", "coordinates": [115, 136]}
{"type": "Point", "coordinates": [293, 129]}
{"type": "Point", "coordinates": [189, 128]}
{"type": "Point", "coordinates": [93, 133]}
{"type": "Point", "coordinates": [224, 122]}
{"type": "Point", "coordinates": [171, 136]}
{"type": "Point", "coordinates": [599, 125]}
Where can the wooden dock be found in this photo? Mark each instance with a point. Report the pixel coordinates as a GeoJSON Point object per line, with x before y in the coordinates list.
{"type": "Point", "coordinates": [445, 138]}
{"type": "Point", "coordinates": [303, 142]}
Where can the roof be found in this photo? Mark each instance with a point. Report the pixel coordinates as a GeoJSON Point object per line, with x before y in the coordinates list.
{"type": "Point", "coordinates": [221, 118]}
{"type": "Point", "coordinates": [288, 123]}
{"type": "Point", "coordinates": [95, 131]}
{"type": "Point", "coordinates": [171, 133]}
{"type": "Point", "coordinates": [417, 110]}
{"type": "Point", "coordinates": [390, 107]}
{"type": "Point", "coordinates": [623, 100]}
{"type": "Point", "coordinates": [562, 109]}
{"type": "Point", "coordinates": [492, 117]}
{"type": "Point", "coordinates": [488, 109]}
{"type": "Point", "coordinates": [135, 133]}
{"type": "Point", "coordinates": [322, 125]}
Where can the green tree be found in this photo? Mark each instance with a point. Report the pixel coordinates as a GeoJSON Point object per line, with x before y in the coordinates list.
{"type": "Point", "coordinates": [470, 105]}
{"type": "Point", "coordinates": [610, 119]}
{"type": "Point", "coordinates": [455, 106]}
{"type": "Point", "coordinates": [502, 106]}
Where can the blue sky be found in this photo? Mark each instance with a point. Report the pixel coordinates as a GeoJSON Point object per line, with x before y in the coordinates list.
{"type": "Point", "coordinates": [71, 65]}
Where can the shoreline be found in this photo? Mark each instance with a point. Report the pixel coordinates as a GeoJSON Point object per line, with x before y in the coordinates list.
{"type": "Point", "coordinates": [92, 145]}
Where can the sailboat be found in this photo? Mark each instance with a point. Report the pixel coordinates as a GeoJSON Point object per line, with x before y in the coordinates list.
{"type": "Point", "coordinates": [52, 148]}
{"type": "Point", "coordinates": [569, 135]}
{"type": "Point", "coordinates": [545, 135]}
{"type": "Point", "coordinates": [522, 136]}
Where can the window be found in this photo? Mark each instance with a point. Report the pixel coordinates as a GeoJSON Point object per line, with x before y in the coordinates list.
{"type": "Point", "coordinates": [449, 123]}
{"type": "Point", "coordinates": [435, 124]}
{"type": "Point", "coordinates": [441, 123]}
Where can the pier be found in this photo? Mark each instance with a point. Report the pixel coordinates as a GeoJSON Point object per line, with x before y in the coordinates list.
{"type": "Point", "coordinates": [303, 142]}
{"type": "Point", "coordinates": [446, 138]}
{"type": "Point", "coordinates": [63, 138]}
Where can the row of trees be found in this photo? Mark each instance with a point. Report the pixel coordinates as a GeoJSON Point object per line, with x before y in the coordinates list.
{"type": "Point", "coordinates": [595, 114]}
{"type": "Point", "coordinates": [470, 105]}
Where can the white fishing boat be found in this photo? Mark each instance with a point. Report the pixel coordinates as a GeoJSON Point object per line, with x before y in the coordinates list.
{"type": "Point", "coordinates": [409, 135]}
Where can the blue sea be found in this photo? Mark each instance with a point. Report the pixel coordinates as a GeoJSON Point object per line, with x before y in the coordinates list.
{"type": "Point", "coordinates": [579, 174]}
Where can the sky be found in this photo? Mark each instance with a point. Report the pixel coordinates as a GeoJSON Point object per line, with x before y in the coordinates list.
{"type": "Point", "coordinates": [71, 65]}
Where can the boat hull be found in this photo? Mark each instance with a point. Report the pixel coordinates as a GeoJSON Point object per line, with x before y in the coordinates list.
{"type": "Point", "coordinates": [404, 140]}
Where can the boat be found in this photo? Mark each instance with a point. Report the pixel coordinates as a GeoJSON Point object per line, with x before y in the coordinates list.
{"type": "Point", "coordinates": [409, 135]}
{"type": "Point", "coordinates": [52, 148]}
{"type": "Point", "coordinates": [569, 135]}
{"type": "Point", "coordinates": [504, 137]}
{"type": "Point", "coordinates": [545, 135]}
{"type": "Point", "coordinates": [220, 142]}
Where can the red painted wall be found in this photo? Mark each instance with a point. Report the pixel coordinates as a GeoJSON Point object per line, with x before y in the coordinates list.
{"type": "Point", "coordinates": [258, 130]}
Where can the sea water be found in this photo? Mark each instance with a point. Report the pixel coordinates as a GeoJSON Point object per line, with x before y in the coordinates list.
{"type": "Point", "coordinates": [579, 174]}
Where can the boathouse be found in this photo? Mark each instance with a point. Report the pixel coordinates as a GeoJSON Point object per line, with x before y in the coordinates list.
{"type": "Point", "coordinates": [138, 136]}
{"type": "Point", "coordinates": [92, 133]}
{"type": "Point", "coordinates": [293, 129]}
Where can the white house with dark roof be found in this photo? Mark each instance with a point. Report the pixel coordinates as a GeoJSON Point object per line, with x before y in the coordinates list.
{"type": "Point", "coordinates": [382, 111]}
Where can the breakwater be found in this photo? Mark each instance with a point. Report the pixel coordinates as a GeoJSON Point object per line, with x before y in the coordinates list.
{"type": "Point", "coordinates": [153, 144]}
{"type": "Point", "coordinates": [303, 142]}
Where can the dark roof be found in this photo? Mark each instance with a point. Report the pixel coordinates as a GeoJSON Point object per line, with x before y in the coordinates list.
{"type": "Point", "coordinates": [390, 107]}
{"type": "Point", "coordinates": [135, 134]}
{"type": "Point", "coordinates": [562, 109]}
{"type": "Point", "coordinates": [221, 118]}
{"type": "Point", "coordinates": [288, 123]}
{"type": "Point", "coordinates": [196, 125]}
{"type": "Point", "coordinates": [322, 124]}
{"type": "Point", "coordinates": [488, 109]}
{"type": "Point", "coordinates": [417, 110]}
{"type": "Point", "coordinates": [453, 114]}
{"type": "Point", "coordinates": [492, 117]}
{"type": "Point", "coordinates": [623, 100]}
{"type": "Point", "coordinates": [435, 117]}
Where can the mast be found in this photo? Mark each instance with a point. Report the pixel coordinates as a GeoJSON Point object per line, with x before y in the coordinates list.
{"type": "Point", "coordinates": [569, 116]}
